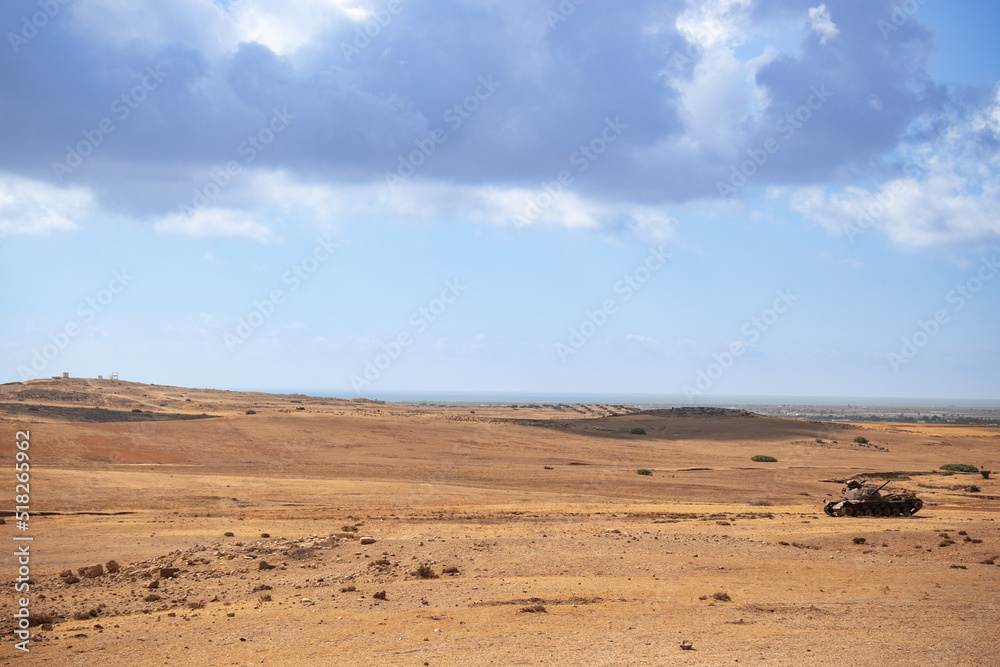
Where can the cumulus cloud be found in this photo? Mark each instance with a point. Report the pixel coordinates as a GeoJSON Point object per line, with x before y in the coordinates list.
{"type": "Point", "coordinates": [33, 207]}
{"type": "Point", "coordinates": [217, 223]}
{"type": "Point", "coordinates": [822, 24]}
{"type": "Point", "coordinates": [698, 84]}
{"type": "Point", "coordinates": [948, 191]}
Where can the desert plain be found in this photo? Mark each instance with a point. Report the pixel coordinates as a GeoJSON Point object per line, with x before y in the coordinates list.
{"type": "Point", "coordinates": [245, 528]}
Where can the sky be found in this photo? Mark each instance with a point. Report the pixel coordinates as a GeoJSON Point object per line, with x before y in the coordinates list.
{"type": "Point", "coordinates": [674, 198]}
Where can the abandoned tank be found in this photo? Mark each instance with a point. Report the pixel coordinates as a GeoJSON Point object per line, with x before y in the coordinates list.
{"type": "Point", "coordinates": [863, 499]}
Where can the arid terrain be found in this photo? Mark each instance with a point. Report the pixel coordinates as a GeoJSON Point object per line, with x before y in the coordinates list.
{"type": "Point", "coordinates": [503, 536]}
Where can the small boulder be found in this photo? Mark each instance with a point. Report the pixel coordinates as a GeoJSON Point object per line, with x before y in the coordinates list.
{"type": "Point", "coordinates": [66, 574]}
{"type": "Point", "coordinates": [155, 583]}
{"type": "Point", "coordinates": [168, 572]}
{"type": "Point", "coordinates": [91, 571]}
{"type": "Point", "coordinates": [112, 567]}
{"type": "Point", "coordinates": [687, 645]}
{"type": "Point", "coordinates": [367, 540]}
{"type": "Point", "coordinates": [264, 565]}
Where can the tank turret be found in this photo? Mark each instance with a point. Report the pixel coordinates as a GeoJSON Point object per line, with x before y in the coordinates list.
{"type": "Point", "coordinates": [863, 499]}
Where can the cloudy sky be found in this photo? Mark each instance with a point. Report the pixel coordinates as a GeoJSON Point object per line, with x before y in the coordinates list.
{"type": "Point", "coordinates": [724, 197]}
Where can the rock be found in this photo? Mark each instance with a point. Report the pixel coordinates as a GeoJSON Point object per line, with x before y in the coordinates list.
{"type": "Point", "coordinates": [231, 614]}
{"type": "Point", "coordinates": [91, 571]}
{"type": "Point", "coordinates": [380, 595]}
{"type": "Point", "coordinates": [367, 540]}
{"type": "Point", "coordinates": [168, 572]}
{"type": "Point", "coordinates": [112, 566]}
{"type": "Point", "coordinates": [686, 645]}
{"type": "Point", "coordinates": [66, 574]}
{"type": "Point", "coordinates": [71, 579]}
{"type": "Point", "coordinates": [155, 583]}
{"type": "Point", "coordinates": [264, 565]}
{"type": "Point", "coordinates": [307, 602]}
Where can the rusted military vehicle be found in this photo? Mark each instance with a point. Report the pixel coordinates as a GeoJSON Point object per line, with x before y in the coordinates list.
{"type": "Point", "coordinates": [863, 499]}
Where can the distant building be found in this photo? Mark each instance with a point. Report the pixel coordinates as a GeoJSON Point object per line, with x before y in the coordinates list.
{"type": "Point", "coordinates": [65, 376]}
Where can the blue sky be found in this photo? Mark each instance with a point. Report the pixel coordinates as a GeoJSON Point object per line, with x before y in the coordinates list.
{"type": "Point", "coordinates": [732, 197]}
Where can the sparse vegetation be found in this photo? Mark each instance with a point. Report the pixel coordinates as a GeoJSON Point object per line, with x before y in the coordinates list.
{"type": "Point", "coordinates": [534, 609]}
{"type": "Point", "coordinates": [450, 570]}
{"type": "Point", "coordinates": [200, 604]}
{"type": "Point", "coordinates": [959, 467]}
{"type": "Point", "coordinates": [425, 572]}
{"type": "Point", "coordinates": [152, 597]}
{"type": "Point", "coordinates": [859, 540]}
{"type": "Point", "coordinates": [262, 587]}
{"type": "Point", "coordinates": [645, 471]}
{"type": "Point", "coordinates": [251, 412]}
{"type": "Point", "coordinates": [265, 535]}
{"type": "Point", "coordinates": [350, 588]}
{"type": "Point", "coordinates": [40, 619]}
{"type": "Point", "coordinates": [722, 596]}
{"type": "Point", "coordinates": [763, 458]}
{"type": "Point", "coordinates": [761, 503]}
{"type": "Point", "coordinates": [229, 533]}
{"type": "Point", "coordinates": [973, 489]}
{"type": "Point", "coordinates": [985, 473]}
{"type": "Point", "coordinates": [638, 431]}
{"type": "Point", "coordinates": [861, 440]}
{"type": "Point", "coordinates": [379, 596]}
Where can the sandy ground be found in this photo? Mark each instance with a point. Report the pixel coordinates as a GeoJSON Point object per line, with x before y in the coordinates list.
{"type": "Point", "coordinates": [542, 543]}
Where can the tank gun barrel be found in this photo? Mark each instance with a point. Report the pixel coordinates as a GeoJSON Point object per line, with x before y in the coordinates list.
{"type": "Point", "coordinates": [883, 485]}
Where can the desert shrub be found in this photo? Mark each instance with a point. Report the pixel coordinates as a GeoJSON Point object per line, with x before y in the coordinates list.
{"type": "Point", "coordinates": [761, 503]}
{"type": "Point", "coordinates": [265, 535]}
{"type": "Point", "coordinates": [265, 598]}
{"type": "Point", "coordinates": [959, 567]}
{"type": "Point", "coordinates": [645, 471]}
{"type": "Point", "coordinates": [350, 588]}
{"type": "Point", "coordinates": [229, 534]}
{"type": "Point", "coordinates": [819, 440]}
{"type": "Point", "coordinates": [973, 489]}
{"type": "Point", "coordinates": [861, 440]}
{"type": "Point", "coordinates": [379, 596]}
{"type": "Point", "coordinates": [859, 540]}
{"type": "Point", "coordinates": [534, 609]}
{"type": "Point", "coordinates": [262, 587]}
{"type": "Point", "coordinates": [425, 572]}
{"type": "Point", "coordinates": [762, 458]}
{"type": "Point", "coordinates": [722, 596]}
{"type": "Point", "coordinates": [959, 467]}
{"type": "Point", "coordinates": [548, 467]}
{"type": "Point", "coordinates": [152, 597]}
{"type": "Point", "coordinates": [450, 570]}
{"type": "Point", "coordinates": [251, 412]}
{"type": "Point", "coordinates": [136, 410]}
{"type": "Point", "coordinates": [985, 473]}
{"type": "Point", "coordinates": [349, 529]}
{"type": "Point", "coordinates": [638, 431]}
{"type": "Point", "coordinates": [196, 605]}
{"type": "Point", "coordinates": [40, 619]}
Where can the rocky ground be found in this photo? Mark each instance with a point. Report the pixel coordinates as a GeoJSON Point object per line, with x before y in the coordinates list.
{"type": "Point", "coordinates": [358, 533]}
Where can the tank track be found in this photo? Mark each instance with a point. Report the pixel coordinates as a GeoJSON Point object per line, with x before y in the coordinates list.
{"type": "Point", "coordinates": [875, 508]}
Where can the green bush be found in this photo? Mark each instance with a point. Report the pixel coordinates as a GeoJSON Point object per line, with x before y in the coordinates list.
{"type": "Point", "coordinates": [959, 467]}
{"type": "Point", "coordinates": [761, 458]}
{"type": "Point", "coordinates": [645, 471]}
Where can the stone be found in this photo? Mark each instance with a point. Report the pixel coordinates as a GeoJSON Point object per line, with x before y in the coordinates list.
{"type": "Point", "coordinates": [112, 567]}
{"type": "Point", "coordinates": [264, 565]}
{"type": "Point", "coordinates": [168, 572]}
{"type": "Point", "coordinates": [687, 645]}
{"type": "Point", "coordinates": [91, 571]}
{"type": "Point", "coordinates": [367, 540]}
{"type": "Point", "coordinates": [155, 583]}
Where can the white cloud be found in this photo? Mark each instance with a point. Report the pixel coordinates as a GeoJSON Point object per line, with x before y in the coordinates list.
{"type": "Point", "coordinates": [641, 339]}
{"type": "Point", "coordinates": [217, 223]}
{"type": "Point", "coordinates": [822, 24]}
{"type": "Point", "coordinates": [710, 22]}
{"type": "Point", "coordinates": [33, 207]}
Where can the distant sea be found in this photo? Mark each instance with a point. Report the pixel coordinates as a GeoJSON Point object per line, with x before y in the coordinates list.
{"type": "Point", "coordinates": [645, 401]}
